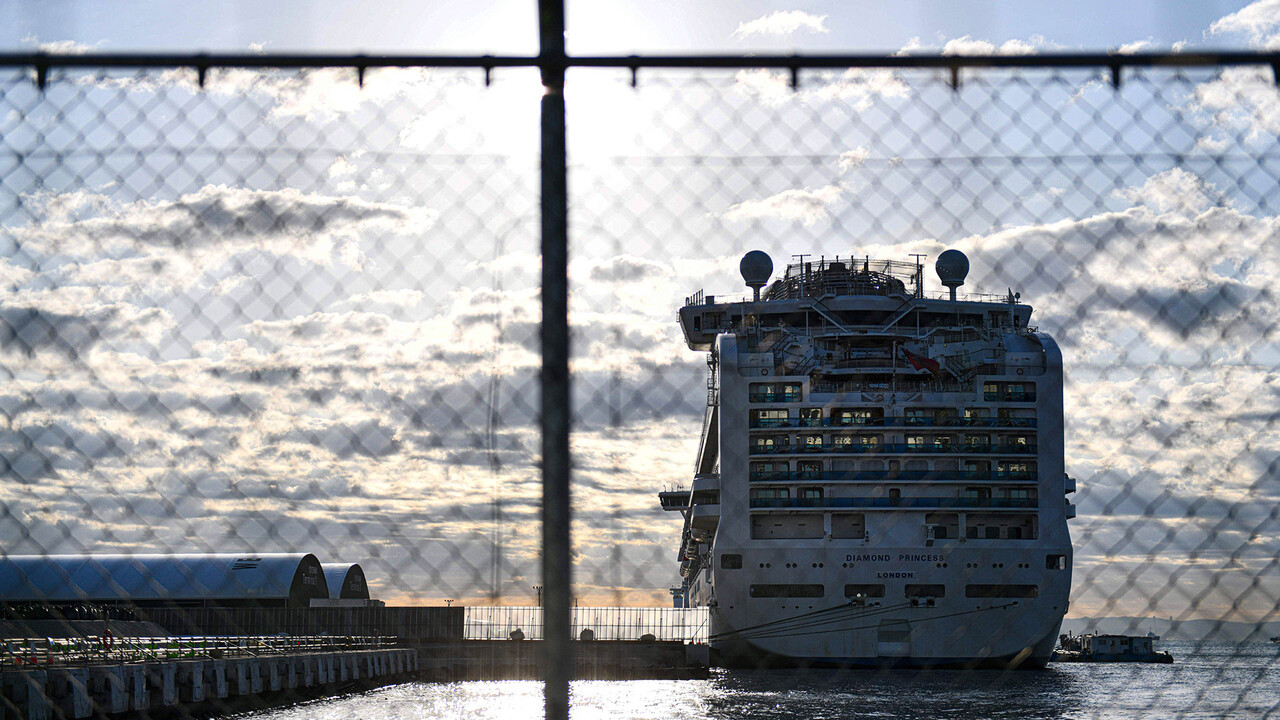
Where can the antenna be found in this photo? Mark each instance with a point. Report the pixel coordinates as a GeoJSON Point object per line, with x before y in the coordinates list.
{"type": "Point", "coordinates": [919, 273]}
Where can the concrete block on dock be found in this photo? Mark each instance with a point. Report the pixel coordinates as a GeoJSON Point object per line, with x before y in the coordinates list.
{"type": "Point", "coordinates": [368, 669]}
{"type": "Point", "coordinates": [191, 682]}
{"type": "Point", "coordinates": [291, 677]}
{"type": "Point", "coordinates": [169, 684]}
{"type": "Point", "coordinates": [117, 693]}
{"type": "Point", "coordinates": [255, 676]}
{"type": "Point", "coordinates": [80, 703]}
{"type": "Point", "coordinates": [221, 688]}
{"type": "Point", "coordinates": [344, 668]}
{"type": "Point", "coordinates": [28, 689]}
{"type": "Point", "coordinates": [308, 670]}
{"type": "Point", "coordinates": [139, 690]}
{"type": "Point", "coordinates": [241, 669]}
{"type": "Point", "coordinates": [274, 680]}
{"type": "Point", "coordinates": [354, 660]}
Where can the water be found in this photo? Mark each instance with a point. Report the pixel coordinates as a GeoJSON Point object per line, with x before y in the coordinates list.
{"type": "Point", "coordinates": [1209, 681]}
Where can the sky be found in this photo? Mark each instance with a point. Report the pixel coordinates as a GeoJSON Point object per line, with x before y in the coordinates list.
{"type": "Point", "coordinates": [288, 313]}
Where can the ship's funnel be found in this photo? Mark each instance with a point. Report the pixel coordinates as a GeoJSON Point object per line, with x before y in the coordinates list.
{"type": "Point", "coordinates": [756, 267]}
{"type": "Point", "coordinates": [952, 267]}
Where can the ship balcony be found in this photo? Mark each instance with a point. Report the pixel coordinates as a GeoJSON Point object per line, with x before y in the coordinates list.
{"type": "Point", "coordinates": [1070, 510]}
{"type": "Point", "coordinates": [705, 517]}
{"type": "Point", "coordinates": [896, 502]}
{"type": "Point", "coordinates": [893, 449]}
{"type": "Point", "coordinates": [706, 483]}
{"type": "Point", "coordinates": [674, 499]}
{"type": "Point", "coordinates": [896, 476]}
{"type": "Point", "coordinates": [763, 397]}
{"type": "Point", "coordinates": [770, 423]}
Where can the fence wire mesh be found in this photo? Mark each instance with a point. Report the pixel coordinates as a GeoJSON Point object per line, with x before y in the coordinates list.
{"type": "Point", "coordinates": [284, 313]}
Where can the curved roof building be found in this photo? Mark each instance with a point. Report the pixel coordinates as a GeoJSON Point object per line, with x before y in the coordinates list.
{"type": "Point", "coordinates": [223, 579]}
{"type": "Point", "coordinates": [346, 581]}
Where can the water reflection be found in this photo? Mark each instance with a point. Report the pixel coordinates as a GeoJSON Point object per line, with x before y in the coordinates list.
{"type": "Point", "coordinates": [1206, 681]}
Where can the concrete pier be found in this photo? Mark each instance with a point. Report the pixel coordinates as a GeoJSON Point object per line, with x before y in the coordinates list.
{"type": "Point", "coordinates": [227, 685]}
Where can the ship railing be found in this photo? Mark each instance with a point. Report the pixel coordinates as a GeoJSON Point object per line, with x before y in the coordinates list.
{"type": "Point", "coordinates": [895, 475]}
{"type": "Point", "coordinates": [895, 502]}
{"type": "Point", "coordinates": [893, 448]}
{"type": "Point", "coordinates": [766, 423]}
{"type": "Point", "coordinates": [902, 386]}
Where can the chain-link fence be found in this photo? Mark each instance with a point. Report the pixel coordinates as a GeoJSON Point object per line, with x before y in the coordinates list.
{"type": "Point", "coordinates": [263, 311]}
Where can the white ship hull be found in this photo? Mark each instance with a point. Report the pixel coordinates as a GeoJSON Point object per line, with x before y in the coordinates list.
{"type": "Point", "coordinates": [940, 632]}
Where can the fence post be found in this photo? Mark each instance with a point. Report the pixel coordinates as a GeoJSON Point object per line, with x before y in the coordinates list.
{"type": "Point", "coordinates": [558, 651]}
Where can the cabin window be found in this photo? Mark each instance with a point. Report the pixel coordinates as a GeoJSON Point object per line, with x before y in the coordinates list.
{"type": "Point", "coordinates": [1055, 562]}
{"type": "Point", "coordinates": [842, 441]}
{"type": "Point", "coordinates": [863, 590]}
{"type": "Point", "coordinates": [918, 416]}
{"type": "Point", "coordinates": [769, 471]}
{"type": "Point", "coordinates": [915, 442]}
{"type": "Point", "coordinates": [769, 443]}
{"type": "Point", "coordinates": [991, 391]}
{"type": "Point", "coordinates": [977, 441]}
{"type": "Point", "coordinates": [1001, 591]}
{"type": "Point", "coordinates": [810, 417]}
{"type": "Point", "coordinates": [810, 470]}
{"type": "Point", "coordinates": [853, 416]}
{"type": "Point", "coordinates": [870, 441]}
{"type": "Point", "coordinates": [922, 591]}
{"type": "Point", "coordinates": [811, 442]}
{"type": "Point", "coordinates": [770, 494]}
{"type": "Point", "coordinates": [787, 591]}
{"type": "Point", "coordinates": [1016, 469]}
{"type": "Point", "coordinates": [730, 561]}
{"type": "Point", "coordinates": [769, 418]}
{"type": "Point", "coordinates": [942, 442]}
{"type": "Point", "coordinates": [811, 493]}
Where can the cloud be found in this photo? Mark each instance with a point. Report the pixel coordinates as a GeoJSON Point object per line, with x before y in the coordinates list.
{"type": "Point", "coordinates": [968, 45]}
{"type": "Point", "coordinates": [59, 321]}
{"type": "Point", "coordinates": [860, 87]}
{"type": "Point", "coordinates": [1175, 190]}
{"type": "Point", "coordinates": [1259, 22]}
{"type": "Point", "coordinates": [782, 22]}
{"type": "Point", "coordinates": [627, 269]}
{"type": "Point", "coordinates": [965, 45]}
{"type": "Point", "coordinates": [59, 47]}
{"type": "Point", "coordinates": [1134, 47]}
{"type": "Point", "coordinates": [167, 240]}
{"type": "Point", "coordinates": [806, 206]}
{"type": "Point", "coordinates": [851, 159]}
{"type": "Point", "coordinates": [310, 93]}
{"type": "Point", "coordinates": [1240, 101]}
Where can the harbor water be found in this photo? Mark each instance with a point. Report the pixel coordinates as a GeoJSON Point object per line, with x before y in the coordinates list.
{"type": "Point", "coordinates": [1206, 681]}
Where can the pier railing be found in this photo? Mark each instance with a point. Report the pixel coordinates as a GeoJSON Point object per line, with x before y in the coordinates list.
{"type": "Point", "coordinates": [93, 650]}
{"type": "Point", "coordinates": [594, 623]}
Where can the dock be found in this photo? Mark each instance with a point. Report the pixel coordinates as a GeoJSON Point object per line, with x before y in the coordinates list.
{"type": "Point", "coordinates": [196, 685]}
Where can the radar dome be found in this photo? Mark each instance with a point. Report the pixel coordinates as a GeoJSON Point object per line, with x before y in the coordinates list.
{"type": "Point", "coordinates": [952, 267]}
{"type": "Point", "coordinates": [756, 267]}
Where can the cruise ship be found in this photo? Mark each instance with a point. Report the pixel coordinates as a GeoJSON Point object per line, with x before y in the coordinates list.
{"type": "Point", "coordinates": [880, 479]}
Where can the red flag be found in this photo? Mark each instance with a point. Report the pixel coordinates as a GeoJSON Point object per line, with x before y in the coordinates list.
{"type": "Point", "coordinates": [920, 362]}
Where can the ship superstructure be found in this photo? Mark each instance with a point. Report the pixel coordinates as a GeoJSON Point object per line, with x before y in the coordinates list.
{"type": "Point", "coordinates": [880, 478]}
